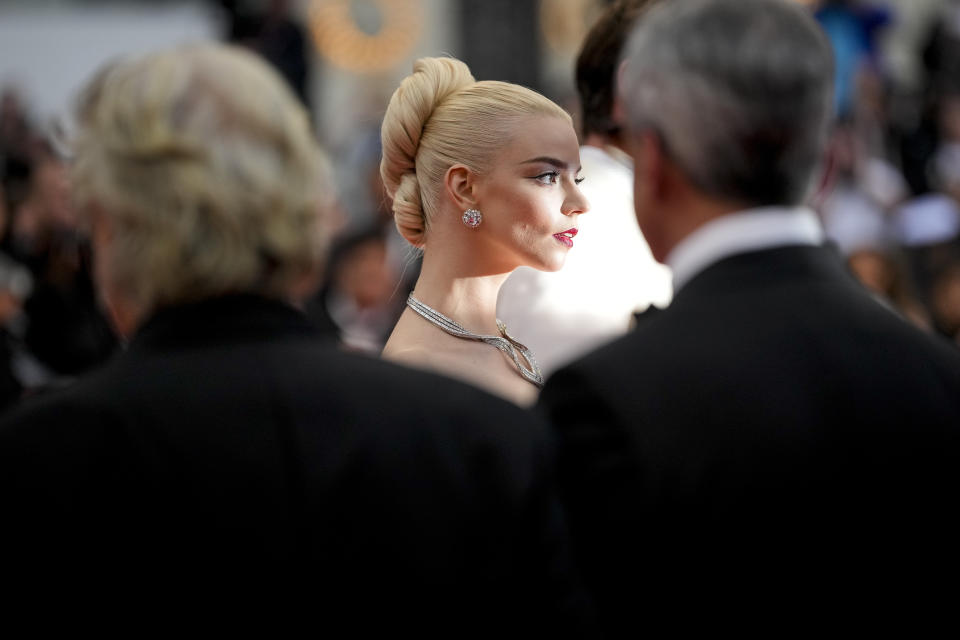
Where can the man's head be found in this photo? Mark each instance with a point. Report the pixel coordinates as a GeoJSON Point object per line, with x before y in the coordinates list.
{"type": "Point", "coordinates": [198, 171]}
{"type": "Point", "coordinates": [597, 65]}
{"type": "Point", "coordinates": [730, 97]}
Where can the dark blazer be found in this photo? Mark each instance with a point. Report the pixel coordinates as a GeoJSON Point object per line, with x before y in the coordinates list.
{"type": "Point", "coordinates": [229, 452]}
{"type": "Point", "coordinates": [774, 428]}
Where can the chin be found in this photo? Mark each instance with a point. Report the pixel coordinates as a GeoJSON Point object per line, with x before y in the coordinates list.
{"type": "Point", "coordinates": [550, 264]}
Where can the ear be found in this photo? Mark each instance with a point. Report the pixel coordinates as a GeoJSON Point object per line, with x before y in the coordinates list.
{"type": "Point", "coordinates": [825, 178]}
{"type": "Point", "coordinates": [650, 163]}
{"type": "Point", "coordinates": [618, 111]}
{"type": "Point", "coordinates": [460, 184]}
{"type": "Point", "coordinates": [98, 224]}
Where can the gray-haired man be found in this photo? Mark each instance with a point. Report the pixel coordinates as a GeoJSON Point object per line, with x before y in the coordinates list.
{"type": "Point", "coordinates": [774, 439]}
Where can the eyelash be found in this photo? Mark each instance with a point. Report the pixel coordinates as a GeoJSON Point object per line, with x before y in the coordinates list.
{"type": "Point", "coordinates": [554, 175]}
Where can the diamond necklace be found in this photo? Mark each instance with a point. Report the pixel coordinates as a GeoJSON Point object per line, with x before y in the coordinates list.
{"type": "Point", "coordinates": [503, 342]}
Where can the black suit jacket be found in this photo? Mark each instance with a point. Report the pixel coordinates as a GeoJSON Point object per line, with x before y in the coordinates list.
{"type": "Point", "coordinates": [228, 456]}
{"type": "Point", "coordinates": [775, 438]}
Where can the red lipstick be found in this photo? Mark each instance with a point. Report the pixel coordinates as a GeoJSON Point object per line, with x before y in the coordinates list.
{"type": "Point", "coordinates": [566, 237]}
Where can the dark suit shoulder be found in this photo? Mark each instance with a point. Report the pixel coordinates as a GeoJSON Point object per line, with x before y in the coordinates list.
{"type": "Point", "coordinates": [622, 371]}
{"type": "Point", "coordinates": [763, 356]}
{"type": "Point", "coordinates": [416, 384]}
{"type": "Point", "coordinates": [389, 405]}
{"type": "Point", "coordinates": [64, 460]}
{"type": "Point", "coordinates": [79, 407]}
{"type": "Point", "coordinates": [803, 321]}
{"type": "Point", "coordinates": [211, 401]}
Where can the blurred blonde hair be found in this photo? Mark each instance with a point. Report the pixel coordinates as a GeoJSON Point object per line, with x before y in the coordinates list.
{"type": "Point", "coordinates": [441, 116]}
{"type": "Point", "coordinates": [206, 166]}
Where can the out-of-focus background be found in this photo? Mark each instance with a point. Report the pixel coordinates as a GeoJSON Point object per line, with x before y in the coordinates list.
{"type": "Point", "coordinates": [890, 205]}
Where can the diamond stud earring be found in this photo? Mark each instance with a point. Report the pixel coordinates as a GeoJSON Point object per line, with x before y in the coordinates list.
{"type": "Point", "coordinates": [472, 218]}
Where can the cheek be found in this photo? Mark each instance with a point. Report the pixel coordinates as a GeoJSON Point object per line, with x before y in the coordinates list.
{"type": "Point", "coordinates": [538, 209]}
{"type": "Point", "coordinates": [525, 219]}
{"type": "Point", "coordinates": [534, 238]}
{"type": "Point", "coordinates": [534, 220]}
{"type": "Point", "coordinates": [527, 236]}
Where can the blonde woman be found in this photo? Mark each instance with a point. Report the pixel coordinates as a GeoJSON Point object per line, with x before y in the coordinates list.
{"type": "Point", "coordinates": [483, 177]}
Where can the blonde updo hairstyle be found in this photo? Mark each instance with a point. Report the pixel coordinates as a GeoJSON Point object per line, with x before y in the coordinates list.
{"type": "Point", "coordinates": [438, 117]}
{"type": "Point", "coordinates": [204, 163]}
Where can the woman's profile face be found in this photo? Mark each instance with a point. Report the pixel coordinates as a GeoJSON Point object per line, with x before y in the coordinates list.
{"type": "Point", "coordinates": [529, 198]}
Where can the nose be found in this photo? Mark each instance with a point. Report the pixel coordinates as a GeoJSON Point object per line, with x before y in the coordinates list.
{"type": "Point", "coordinates": [575, 202]}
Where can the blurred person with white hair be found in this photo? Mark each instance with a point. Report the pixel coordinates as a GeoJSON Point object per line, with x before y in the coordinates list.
{"type": "Point", "coordinates": [230, 458]}
{"type": "Point", "coordinates": [775, 448]}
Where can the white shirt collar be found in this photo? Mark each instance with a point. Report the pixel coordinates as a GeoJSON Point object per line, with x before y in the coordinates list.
{"type": "Point", "coordinates": [740, 232]}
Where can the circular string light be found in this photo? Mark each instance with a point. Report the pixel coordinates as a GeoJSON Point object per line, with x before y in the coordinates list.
{"type": "Point", "coordinates": [341, 40]}
{"type": "Point", "coordinates": [564, 23]}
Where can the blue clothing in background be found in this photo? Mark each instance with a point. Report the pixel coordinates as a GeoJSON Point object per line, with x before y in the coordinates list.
{"type": "Point", "coordinates": [852, 30]}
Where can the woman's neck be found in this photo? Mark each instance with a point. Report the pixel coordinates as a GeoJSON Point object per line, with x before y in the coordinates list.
{"type": "Point", "coordinates": [456, 284]}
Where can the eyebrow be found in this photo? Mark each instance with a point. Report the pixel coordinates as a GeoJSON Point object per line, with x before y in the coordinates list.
{"type": "Point", "coordinates": [560, 164]}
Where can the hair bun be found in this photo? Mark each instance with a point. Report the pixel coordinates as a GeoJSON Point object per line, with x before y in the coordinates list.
{"type": "Point", "coordinates": [408, 210]}
{"type": "Point", "coordinates": [412, 104]}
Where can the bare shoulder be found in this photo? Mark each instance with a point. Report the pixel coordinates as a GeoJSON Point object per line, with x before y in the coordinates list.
{"type": "Point", "coordinates": [415, 355]}
{"type": "Point", "coordinates": [424, 356]}
{"type": "Point", "coordinates": [407, 345]}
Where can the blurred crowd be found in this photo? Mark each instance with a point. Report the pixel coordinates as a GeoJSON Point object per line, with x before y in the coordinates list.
{"type": "Point", "coordinates": [890, 202]}
{"type": "Point", "coordinates": [890, 199]}
{"type": "Point", "coordinates": [52, 326]}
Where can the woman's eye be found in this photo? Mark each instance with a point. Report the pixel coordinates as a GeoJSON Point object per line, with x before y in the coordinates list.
{"type": "Point", "coordinates": [549, 177]}
{"type": "Point", "coordinates": [579, 180]}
